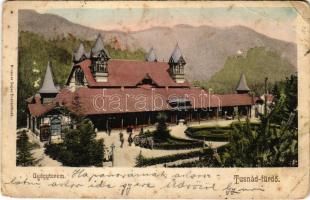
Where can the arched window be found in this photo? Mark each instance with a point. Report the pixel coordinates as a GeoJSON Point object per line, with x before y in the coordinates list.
{"type": "Point", "coordinates": [55, 126]}
{"type": "Point", "coordinates": [79, 76]}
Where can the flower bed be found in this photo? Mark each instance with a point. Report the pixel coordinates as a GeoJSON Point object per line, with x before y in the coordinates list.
{"type": "Point", "coordinates": [209, 133]}
{"type": "Point", "coordinates": [215, 133]}
{"type": "Point", "coordinates": [174, 143]}
{"type": "Point", "coordinates": [177, 146]}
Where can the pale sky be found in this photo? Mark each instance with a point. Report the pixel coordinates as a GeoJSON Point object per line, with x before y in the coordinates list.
{"type": "Point", "coordinates": [275, 22]}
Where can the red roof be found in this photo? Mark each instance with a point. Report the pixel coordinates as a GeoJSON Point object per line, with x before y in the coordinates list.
{"type": "Point", "coordinates": [237, 100]}
{"type": "Point", "coordinates": [128, 73]}
{"type": "Point", "coordinates": [122, 93]}
{"type": "Point", "coordinates": [38, 109]}
{"type": "Point", "coordinates": [116, 100]}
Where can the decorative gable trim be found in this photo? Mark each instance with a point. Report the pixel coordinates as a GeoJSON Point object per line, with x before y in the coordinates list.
{"type": "Point", "coordinates": [147, 77]}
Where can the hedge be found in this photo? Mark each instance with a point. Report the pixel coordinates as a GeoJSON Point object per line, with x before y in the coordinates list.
{"type": "Point", "coordinates": [177, 146]}
{"type": "Point", "coordinates": [143, 161]}
{"type": "Point", "coordinates": [165, 159]}
{"type": "Point", "coordinates": [207, 161]}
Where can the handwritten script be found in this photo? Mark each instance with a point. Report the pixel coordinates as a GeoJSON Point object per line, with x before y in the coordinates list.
{"type": "Point", "coordinates": [133, 182]}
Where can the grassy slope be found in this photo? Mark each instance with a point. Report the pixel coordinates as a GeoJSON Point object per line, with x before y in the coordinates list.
{"type": "Point", "coordinates": [34, 52]}
{"type": "Point", "coordinates": [257, 64]}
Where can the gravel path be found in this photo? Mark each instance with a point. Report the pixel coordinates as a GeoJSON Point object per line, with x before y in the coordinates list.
{"type": "Point", "coordinates": [126, 156]}
{"type": "Point", "coordinates": [38, 153]}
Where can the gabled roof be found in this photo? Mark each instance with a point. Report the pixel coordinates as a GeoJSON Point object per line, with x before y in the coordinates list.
{"type": "Point", "coordinates": [242, 85]}
{"type": "Point", "coordinates": [176, 55]}
{"type": "Point", "coordinates": [98, 47]}
{"type": "Point", "coordinates": [48, 85]}
{"type": "Point", "coordinates": [151, 57]}
{"type": "Point", "coordinates": [79, 53]}
{"type": "Point", "coordinates": [147, 76]}
{"type": "Point", "coordinates": [127, 73]}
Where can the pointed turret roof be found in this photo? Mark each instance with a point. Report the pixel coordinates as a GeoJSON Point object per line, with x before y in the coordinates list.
{"type": "Point", "coordinates": [48, 85]}
{"type": "Point", "coordinates": [242, 85]}
{"type": "Point", "coordinates": [151, 57]}
{"type": "Point", "coordinates": [176, 55]}
{"type": "Point", "coordinates": [99, 46]}
{"type": "Point", "coordinates": [79, 53]}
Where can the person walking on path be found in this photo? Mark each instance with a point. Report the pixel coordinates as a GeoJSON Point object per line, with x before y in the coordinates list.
{"type": "Point", "coordinates": [130, 140]}
{"type": "Point", "coordinates": [121, 138]}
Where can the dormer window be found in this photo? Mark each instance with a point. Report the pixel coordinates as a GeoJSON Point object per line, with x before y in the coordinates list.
{"type": "Point", "coordinates": [147, 81]}
{"type": "Point", "coordinates": [101, 65]}
{"type": "Point", "coordinates": [79, 76]}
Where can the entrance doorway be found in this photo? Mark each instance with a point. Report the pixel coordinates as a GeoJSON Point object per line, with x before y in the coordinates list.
{"type": "Point", "coordinates": [45, 133]}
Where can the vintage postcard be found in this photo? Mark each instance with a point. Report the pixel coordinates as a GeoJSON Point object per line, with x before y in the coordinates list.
{"type": "Point", "coordinates": [155, 99]}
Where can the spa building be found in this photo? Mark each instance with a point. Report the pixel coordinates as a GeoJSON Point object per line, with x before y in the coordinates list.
{"type": "Point", "coordinates": [115, 93]}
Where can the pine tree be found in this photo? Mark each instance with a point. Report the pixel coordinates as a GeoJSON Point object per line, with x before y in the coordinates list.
{"type": "Point", "coordinates": [24, 155]}
{"type": "Point", "coordinates": [77, 114]}
{"type": "Point", "coordinates": [81, 147]}
{"type": "Point", "coordinates": [162, 131]}
{"type": "Point", "coordinates": [274, 143]}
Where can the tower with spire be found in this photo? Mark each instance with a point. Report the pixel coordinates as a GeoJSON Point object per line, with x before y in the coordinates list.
{"type": "Point", "coordinates": [80, 54]}
{"type": "Point", "coordinates": [99, 58]}
{"type": "Point", "coordinates": [176, 65]}
{"type": "Point", "coordinates": [151, 57]}
{"type": "Point", "coordinates": [49, 90]}
{"type": "Point", "coordinates": [242, 86]}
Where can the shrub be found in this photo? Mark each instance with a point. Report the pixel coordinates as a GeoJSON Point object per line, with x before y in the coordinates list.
{"type": "Point", "coordinates": [80, 148]}
{"type": "Point", "coordinates": [54, 150]}
{"type": "Point", "coordinates": [162, 131]}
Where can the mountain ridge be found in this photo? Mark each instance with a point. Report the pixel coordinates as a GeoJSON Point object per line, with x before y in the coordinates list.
{"type": "Point", "coordinates": [205, 48]}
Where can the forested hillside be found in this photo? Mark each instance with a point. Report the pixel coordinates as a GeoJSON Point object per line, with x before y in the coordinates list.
{"type": "Point", "coordinates": [257, 64]}
{"type": "Point", "coordinates": [33, 53]}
